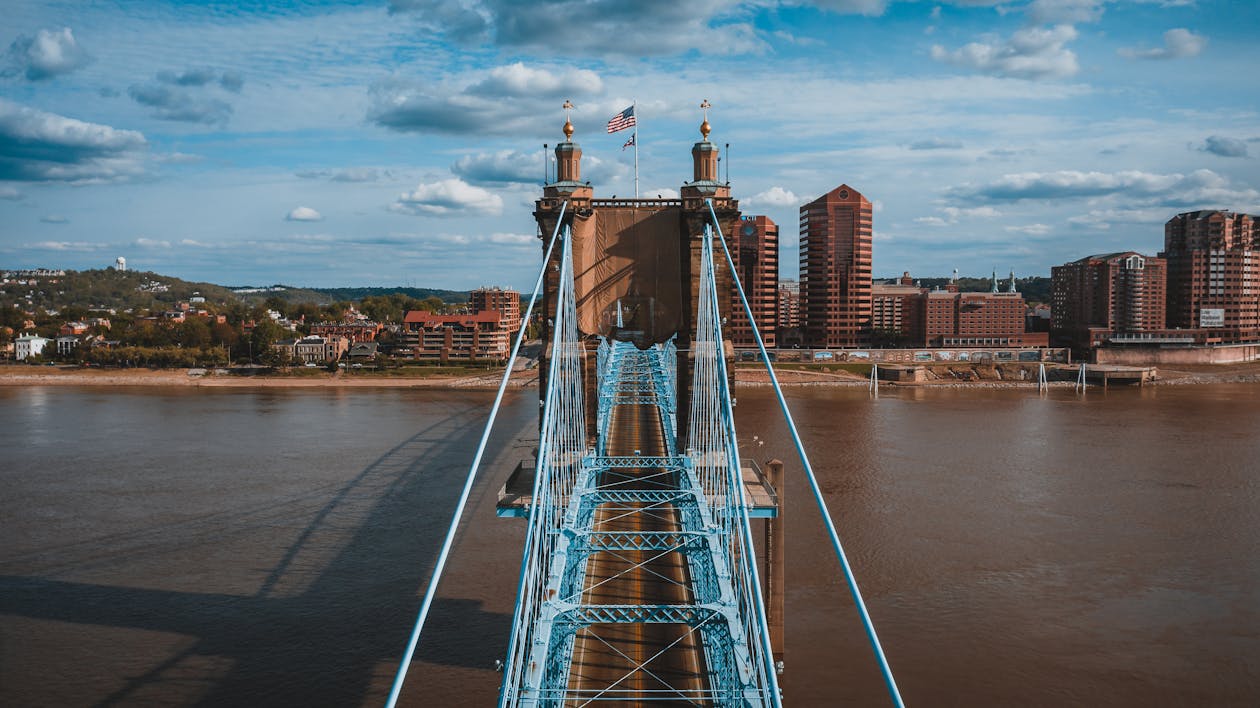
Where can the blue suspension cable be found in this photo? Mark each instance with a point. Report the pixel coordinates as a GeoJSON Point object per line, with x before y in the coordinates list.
{"type": "Point", "coordinates": [813, 481]}
{"type": "Point", "coordinates": [405, 664]}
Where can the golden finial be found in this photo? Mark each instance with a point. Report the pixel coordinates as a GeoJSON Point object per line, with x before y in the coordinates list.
{"type": "Point", "coordinates": [705, 127]}
{"type": "Point", "coordinates": [568, 125]}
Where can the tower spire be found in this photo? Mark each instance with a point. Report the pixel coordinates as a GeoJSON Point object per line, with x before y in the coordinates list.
{"type": "Point", "coordinates": [705, 128]}
{"type": "Point", "coordinates": [568, 124]}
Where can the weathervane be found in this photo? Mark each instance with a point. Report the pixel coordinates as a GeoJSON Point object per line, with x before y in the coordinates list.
{"type": "Point", "coordinates": [568, 125]}
{"type": "Point", "coordinates": [705, 127]}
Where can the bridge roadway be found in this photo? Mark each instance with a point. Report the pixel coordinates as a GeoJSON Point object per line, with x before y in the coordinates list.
{"type": "Point", "coordinates": [638, 664]}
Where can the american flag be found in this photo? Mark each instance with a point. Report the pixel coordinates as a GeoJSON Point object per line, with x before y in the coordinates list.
{"type": "Point", "coordinates": [622, 120]}
{"type": "Point", "coordinates": [629, 143]}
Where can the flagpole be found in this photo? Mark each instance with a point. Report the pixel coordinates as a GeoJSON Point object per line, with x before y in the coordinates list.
{"type": "Point", "coordinates": [634, 106]}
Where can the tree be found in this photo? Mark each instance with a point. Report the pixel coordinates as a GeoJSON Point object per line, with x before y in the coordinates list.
{"type": "Point", "coordinates": [193, 332]}
{"type": "Point", "coordinates": [264, 335]}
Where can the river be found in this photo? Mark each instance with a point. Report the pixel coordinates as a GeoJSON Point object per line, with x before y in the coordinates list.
{"type": "Point", "coordinates": [259, 547]}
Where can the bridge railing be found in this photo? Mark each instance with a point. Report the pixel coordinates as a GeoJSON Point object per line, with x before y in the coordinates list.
{"type": "Point", "coordinates": [562, 444]}
{"type": "Point", "coordinates": [713, 449]}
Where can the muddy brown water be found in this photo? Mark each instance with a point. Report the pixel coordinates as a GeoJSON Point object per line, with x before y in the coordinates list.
{"type": "Point", "coordinates": [269, 547]}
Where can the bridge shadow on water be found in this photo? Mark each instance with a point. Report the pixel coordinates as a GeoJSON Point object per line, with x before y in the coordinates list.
{"type": "Point", "coordinates": [331, 639]}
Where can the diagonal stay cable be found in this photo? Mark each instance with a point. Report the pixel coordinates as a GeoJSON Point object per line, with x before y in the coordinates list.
{"type": "Point", "coordinates": [850, 579]}
{"type": "Point", "coordinates": [429, 594]}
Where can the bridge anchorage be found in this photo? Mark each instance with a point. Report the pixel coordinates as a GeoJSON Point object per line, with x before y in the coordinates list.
{"type": "Point", "coordinates": [639, 580]}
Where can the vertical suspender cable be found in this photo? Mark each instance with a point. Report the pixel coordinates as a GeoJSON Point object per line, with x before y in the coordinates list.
{"type": "Point", "coordinates": [405, 664]}
{"type": "Point", "coordinates": [813, 481]}
{"type": "Point", "coordinates": [735, 472]}
{"type": "Point", "coordinates": [539, 491]}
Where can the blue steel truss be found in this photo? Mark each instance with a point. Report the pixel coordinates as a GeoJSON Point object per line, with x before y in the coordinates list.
{"type": "Point", "coordinates": [696, 493]}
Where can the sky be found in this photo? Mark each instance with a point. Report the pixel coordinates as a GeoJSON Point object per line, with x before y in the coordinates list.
{"type": "Point", "coordinates": [400, 142]}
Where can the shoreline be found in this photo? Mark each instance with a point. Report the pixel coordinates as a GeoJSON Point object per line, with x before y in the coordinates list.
{"type": "Point", "coordinates": [39, 376]}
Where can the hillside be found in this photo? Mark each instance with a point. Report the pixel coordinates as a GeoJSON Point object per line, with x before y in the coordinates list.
{"type": "Point", "coordinates": [110, 289]}
{"type": "Point", "coordinates": [105, 289]}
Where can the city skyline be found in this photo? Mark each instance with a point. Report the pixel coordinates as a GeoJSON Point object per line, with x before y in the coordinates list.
{"type": "Point", "coordinates": [331, 144]}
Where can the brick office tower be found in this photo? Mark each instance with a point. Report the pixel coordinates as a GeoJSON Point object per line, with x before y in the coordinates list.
{"type": "Point", "coordinates": [756, 254]}
{"type": "Point", "coordinates": [1097, 297]}
{"type": "Point", "coordinates": [835, 269]}
{"type": "Point", "coordinates": [1214, 273]}
{"type": "Point", "coordinates": [506, 302]}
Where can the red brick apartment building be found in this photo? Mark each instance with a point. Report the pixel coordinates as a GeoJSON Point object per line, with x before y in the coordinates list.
{"type": "Point", "coordinates": [1214, 275]}
{"type": "Point", "coordinates": [444, 337]}
{"type": "Point", "coordinates": [948, 318]}
{"type": "Point", "coordinates": [1116, 297]}
{"type": "Point", "coordinates": [835, 269]}
{"type": "Point", "coordinates": [756, 256]}
{"type": "Point", "coordinates": [356, 332]}
{"type": "Point", "coordinates": [505, 301]}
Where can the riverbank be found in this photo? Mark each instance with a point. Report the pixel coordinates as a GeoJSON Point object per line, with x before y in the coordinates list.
{"type": "Point", "coordinates": [50, 376]}
{"type": "Point", "coordinates": [941, 377]}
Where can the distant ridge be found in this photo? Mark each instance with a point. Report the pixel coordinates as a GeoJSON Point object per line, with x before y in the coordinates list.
{"type": "Point", "coordinates": [108, 288]}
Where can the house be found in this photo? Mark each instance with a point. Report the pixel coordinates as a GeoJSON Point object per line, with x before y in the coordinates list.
{"type": "Point", "coordinates": [318, 350]}
{"type": "Point", "coordinates": [363, 351]}
{"type": "Point", "coordinates": [66, 344]}
{"type": "Point", "coordinates": [29, 345]}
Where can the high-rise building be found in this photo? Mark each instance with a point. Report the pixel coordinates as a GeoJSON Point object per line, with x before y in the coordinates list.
{"type": "Point", "coordinates": [1214, 274]}
{"type": "Point", "coordinates": [1106, 296]}
{"type": "Point", "coordinates": [835, 269]}
{"type": "Point", "coordinates": [789, 331]}
{"type": "Point", "coordinates": [756, 256]}
{"type": "Point", "coordinates": [506, 302]}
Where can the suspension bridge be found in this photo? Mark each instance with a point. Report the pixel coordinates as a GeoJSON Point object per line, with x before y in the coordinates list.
{"type": "Point", "coordinates": [639, 581]}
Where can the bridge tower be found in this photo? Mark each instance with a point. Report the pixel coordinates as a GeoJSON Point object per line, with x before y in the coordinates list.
{"type": "Point", "coordinates": [640, 258]}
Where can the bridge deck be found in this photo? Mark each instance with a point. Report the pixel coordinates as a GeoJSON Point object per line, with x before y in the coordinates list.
{"type": "Point", "coordinates": [654, 663]}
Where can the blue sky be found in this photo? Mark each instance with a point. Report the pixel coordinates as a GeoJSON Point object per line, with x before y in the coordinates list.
{"type": "Point", "coordinates": [337, 143]}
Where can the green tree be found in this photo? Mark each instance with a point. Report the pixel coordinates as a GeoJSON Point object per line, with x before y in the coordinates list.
{"type": "Point", "coordinates": [264, 335]}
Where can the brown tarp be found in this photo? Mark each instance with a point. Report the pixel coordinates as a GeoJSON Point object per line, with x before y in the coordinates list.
{"type": "Point", "coordinates": [631, 255]}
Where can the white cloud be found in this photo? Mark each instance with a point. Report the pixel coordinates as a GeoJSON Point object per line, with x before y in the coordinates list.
{"type": "Point", "coordinates": [49, 53]}
{"type": "Point", "coordinates": [521, 80]}
{"type": "Point", "coordinates": [662, 193]}
{"type": "Point", "coordinates": [1201, 189]}
{"type": "Point", "coordinates": [82, 246]}
{"type": "Point", "coordinates": [775, 197]}
{"type": "Point", "coordinates": [982, 212]}
{"type": "Point", "coordinates": [1031, 53]}
{"type": "Point", "coordinates": [40, 146]}
{"type": "Point", "coordinates": [54, 219]}
{"type": "Point", "coordinates": [143, 242]}
{"type": "Point", "coordinates": [448, 197]}
{"type": "Point", "coordinates": [304, 213]}
{"type": "Point", "coordinates": [10, 193]}
{"type": "Point", "coordinates": [1104, 218]}
{"type": "Point", "coordinates": [1178, 43]}
{"type": "Point", "coordinates": [1030, 229]}
{"type": "Point", "coordinates": [954, 214]}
